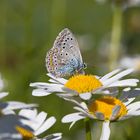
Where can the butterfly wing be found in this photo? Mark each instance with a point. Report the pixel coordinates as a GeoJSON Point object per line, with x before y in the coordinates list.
{"type": "Point", "coordinates": [68, 44]}
{"type": "Point", "coordinates": [64, 57]}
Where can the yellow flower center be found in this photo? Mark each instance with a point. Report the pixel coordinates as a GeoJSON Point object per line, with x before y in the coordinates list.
{"type": "Point", "coordinates": [105, 105]}
{"type": "Point", "coordinates": [26, 134]}
{"type": "Point", "coordinates": [83, 83]}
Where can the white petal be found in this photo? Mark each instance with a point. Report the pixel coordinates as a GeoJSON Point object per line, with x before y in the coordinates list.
{"type": "Point", "coordinates": [123, 83]}
{"type": "Point", "coordinates": [80, 109]}
{"type": "Point", "coordinates": [32, 118]}
{"type": "Point", "coordinates": [105, 131]}
{"type": "Point", "coordinates": [134, 106]}
{"type": "Point", "coordinates": [126, 89]}
{"type": "Point", "coordinates": [109, 74]}
{"type": "Point", "coordinates": [46, 125]}
{"type": "Point", "coordinates": [134, 113]}
{"type": "Point", "coordinates": [71, 125]}
{"type": "Point", "coordinates": [49, 87]}
{"type": "Point", "coordinates": [116, 77]}
{"type": "Point", "coordinates": [55, 136]}
{"type": "Point", "coordinates": [3, 94]}
{"type": "Point", "coordinates": [39, 120]}
{"type": "Point", "coordinates": [11, 105]}
{"type": "Point", "coordinates": [56, 88]}
{"type": "Point", "coordinates": [84, 106]}
{"type": "Point", "coordinates": [129, 100]}
{"type": "Point", "coordinates": [60, 80]}
{"type": "Point", "coordinates": [28, 113]}
{"type": "Point", "coordinates": [72, 117]}
{"type": "Point", "coordinates": [66, 95]}
{"type": "Point", "coordinates": [85, 96]}
{"type": "Point", "coordinates": [40, 92]}
{"type": "Point", "coordinates": [8, 112]}
{"type": "Point", "coordinates": [53, 81]}
{"type": "Point", "coordinates": [124, 117]}
{"type": "Point", "coordinates": [40, 84]}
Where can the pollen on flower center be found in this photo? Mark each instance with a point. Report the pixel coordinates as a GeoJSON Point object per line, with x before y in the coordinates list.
{"type": "Point", "coordinates": [26, 134]}
{"type": "Point", "coordinates": [83, 83]}
{"type": "Point", "coordinates": [105, 105]}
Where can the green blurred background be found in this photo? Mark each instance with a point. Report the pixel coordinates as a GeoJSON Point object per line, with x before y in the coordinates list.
{"type": "Point", "coordinates": [27, 31]}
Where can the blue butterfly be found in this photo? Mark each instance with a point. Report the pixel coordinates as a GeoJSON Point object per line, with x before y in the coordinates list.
{"type": "Point", "coordinates": [64, 58]}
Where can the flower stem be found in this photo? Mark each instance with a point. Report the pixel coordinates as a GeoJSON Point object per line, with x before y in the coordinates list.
{"type": "Point", "coordinates": [87, 129]}
{"type": "Point", "coordinates": [115, 36]}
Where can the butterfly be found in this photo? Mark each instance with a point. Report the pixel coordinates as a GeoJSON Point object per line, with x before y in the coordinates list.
{"type": "Point", "coordinates": [64, 58]}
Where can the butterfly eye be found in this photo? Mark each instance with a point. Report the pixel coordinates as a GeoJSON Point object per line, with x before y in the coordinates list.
{"type": "Point", "coordinates": [84, 65]}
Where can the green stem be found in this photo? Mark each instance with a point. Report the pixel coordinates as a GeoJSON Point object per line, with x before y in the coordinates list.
{"type": "Point", "coordinates": [115, 37]}
{"type": "Point", "coordinates": [87, 129]}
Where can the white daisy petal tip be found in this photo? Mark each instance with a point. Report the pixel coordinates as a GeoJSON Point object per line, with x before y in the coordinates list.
{"type": "Point", "coordinates": [72, 117]}
{"type": "Point", "coordinates": [46, 125]}
{"type": "Point", "coordinates": [83, 105]}
{"type": "Point", "coordinates": [33, 84]}
{"type": "Point", "coordinates": [40, 92]}
{"type": "Point", "coordinates": [13, 105]}
{"type": "Point", "coordinates": [71, 125]}
{"type": "Point", "coordinates": [85, 96]}
{"type": "Point", "coordinates": [3, 94]}
{"type": "Point", "coordinates": [127, 89]}
{"type": "Point", "coordinates": [55, 136]}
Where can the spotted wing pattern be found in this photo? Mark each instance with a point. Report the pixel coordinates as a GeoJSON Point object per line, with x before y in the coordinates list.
{"type": "Point", "coordinates": [64, 58]}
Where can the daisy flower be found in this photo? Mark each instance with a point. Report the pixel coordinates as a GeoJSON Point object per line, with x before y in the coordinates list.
{"type": "Point", "coordinates": [84, 85]}
{"type": "Point", "coordinates": [28, 124]}
{"type": "Point", "coordinates": [107, 109]}
{"type": "Point", "coordinates": [35, 124]}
